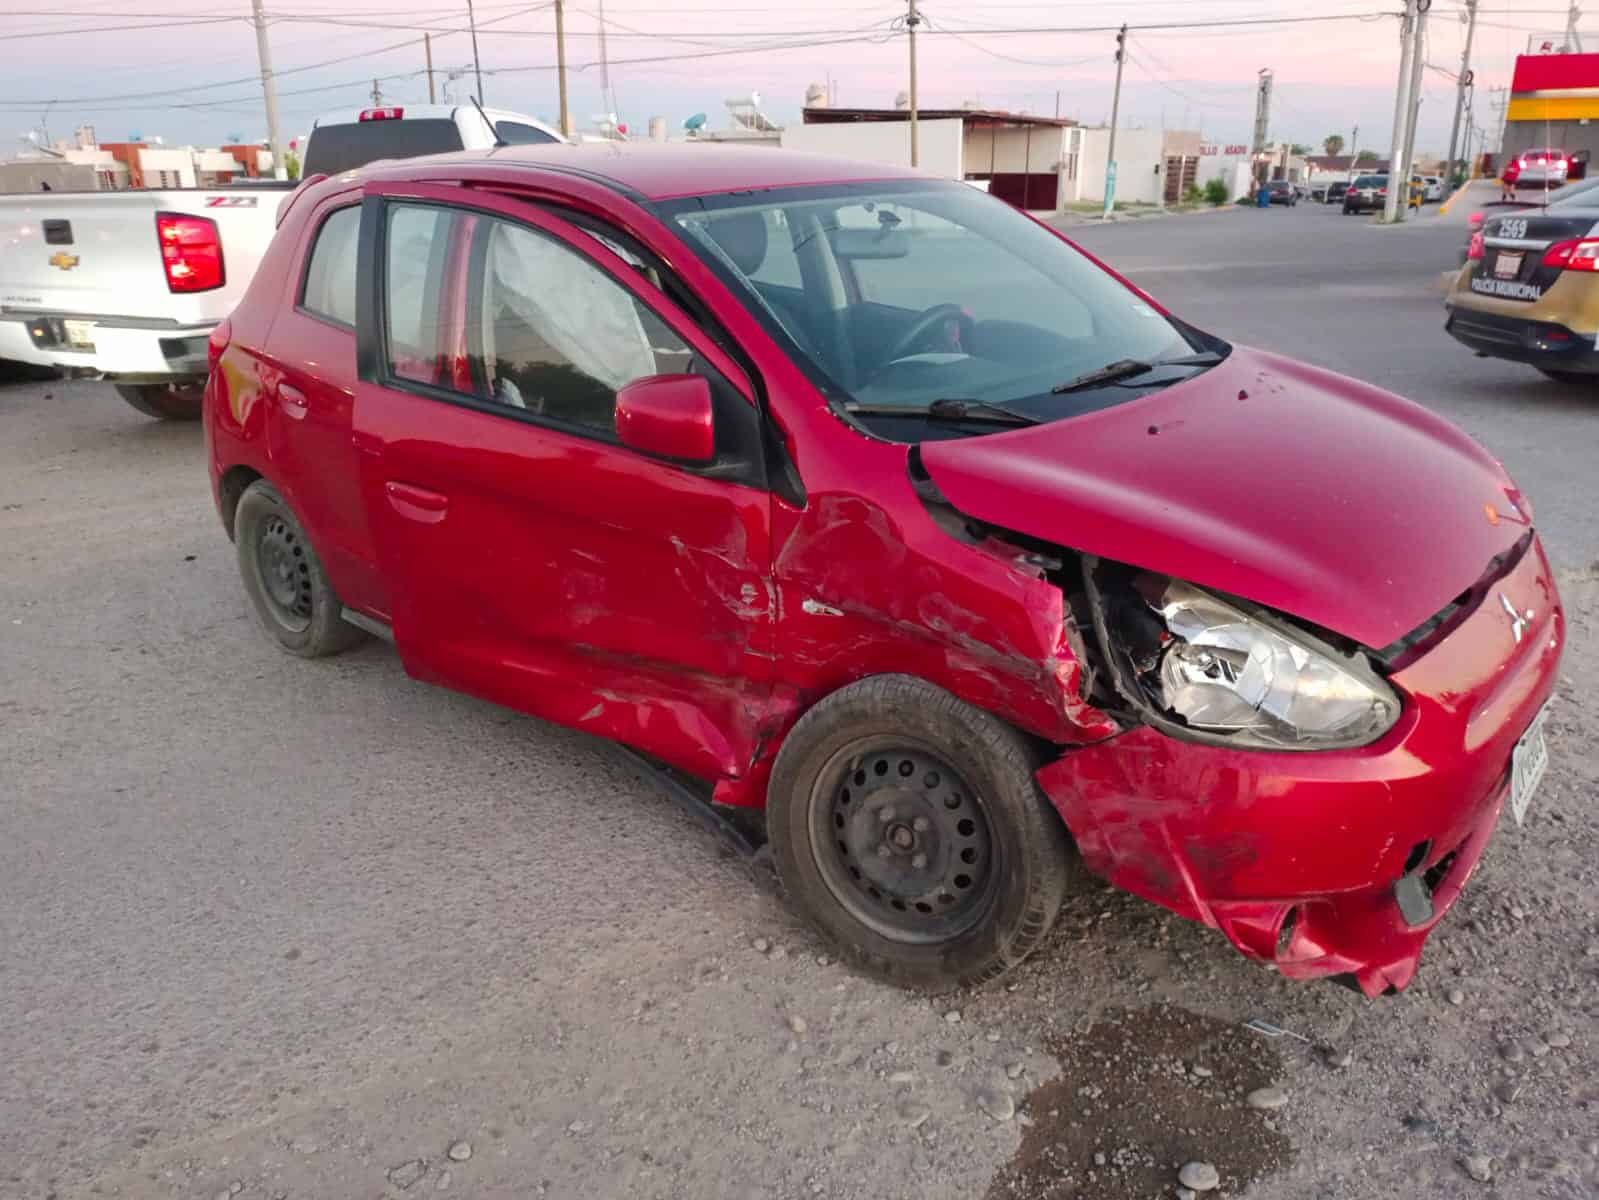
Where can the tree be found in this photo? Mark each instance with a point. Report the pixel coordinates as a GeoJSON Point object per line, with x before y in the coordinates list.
{"type": "Point", "coordinates": [1366, 156]}
{"type": "Point", "coordinates": [1333, 144]}
{"type": "Point", "coordinates": [1299, 150]}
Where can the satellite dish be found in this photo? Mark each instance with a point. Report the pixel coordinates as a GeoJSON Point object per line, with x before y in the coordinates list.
{"type": "Point", "coordinates": [235, 138]}
{"type": "Point", "coordinates": [697, 121]}
{"type": "Point", "coordinates": [135, 136]}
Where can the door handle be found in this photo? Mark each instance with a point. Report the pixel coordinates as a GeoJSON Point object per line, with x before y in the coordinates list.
{"type": "Point", "coordinates": [416, 503]}
{"type": "Point", "coordinates": [294, 401]}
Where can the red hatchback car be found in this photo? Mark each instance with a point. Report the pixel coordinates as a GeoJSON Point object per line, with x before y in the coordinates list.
{"type": "Point", "coordinates": [864, 498]}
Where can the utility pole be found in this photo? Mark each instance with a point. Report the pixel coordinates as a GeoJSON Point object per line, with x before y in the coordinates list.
{"type": "Point", "coordinates": [1573, 38]}
{"type": "Point", "coordinates": [1354, 150]}
{"type": "Point", "coordinates": [607, 94]}
{"type": "Point", "coordinates": [427, 48]}
{"type": "Point", "coordinates": [269, 87]}
{"type": "Point", "coordinates": [912, 20]}
{"type": "Point", "coordinates": [560, 65]}
{"type": "Point", "coordinates": [477, 67]}
{"type": "Point", "coordinates": [1115, 114]}
{"type": "Point", "coordinates": [1461, 85]}
{"type": "Point", "coordinates": [377, 95]}
{"type": "Point", "coordinates": [1396, 151]}
{"type": "Point", "coordinates": [1418, 64]}
{"type": "Point", "coordinates": [1257, 147]}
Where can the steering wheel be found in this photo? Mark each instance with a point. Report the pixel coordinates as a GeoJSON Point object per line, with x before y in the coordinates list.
{"type": "Point", "coordinates": [924, 323]}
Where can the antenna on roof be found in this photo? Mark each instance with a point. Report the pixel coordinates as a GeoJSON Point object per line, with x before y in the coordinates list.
{"type": "Point", "coordinates": [493, 132]}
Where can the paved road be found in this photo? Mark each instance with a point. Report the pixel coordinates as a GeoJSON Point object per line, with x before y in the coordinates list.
{"type": "Point", "coordinates": [1362, 298]}
{"type": "Point", "coordinates": [298, 925]}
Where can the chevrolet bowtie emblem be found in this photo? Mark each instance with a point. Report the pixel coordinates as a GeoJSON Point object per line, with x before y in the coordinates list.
{"type": "Point", "coordinates": [63, 260]}
{"type": "Point", "coordinates": [1518, 620]}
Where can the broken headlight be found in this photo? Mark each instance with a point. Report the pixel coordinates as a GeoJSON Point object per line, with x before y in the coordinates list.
{"type": "Point", "coordinates": [1224, 671]}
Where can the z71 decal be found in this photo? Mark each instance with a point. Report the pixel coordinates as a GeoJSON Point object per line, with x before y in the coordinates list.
{"type": "Point", "coordinates": [230, 201]}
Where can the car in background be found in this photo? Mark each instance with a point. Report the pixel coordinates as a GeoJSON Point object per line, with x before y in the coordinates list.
{"type": "Point", "coordinates": [837, 488]}
{"type": "Point", "coordinates": [1529, 290]}
{"type": "Point", "coordinates": [1335, 192]}
{"type": "Point", "coordinates": [1536, 169]}
{"type": "Point", "coordinates": [342, 141]}
{"type": "Point", "coordinates": [1282, 191]}
{"type": "Point", "coordinates": [1432, 188]}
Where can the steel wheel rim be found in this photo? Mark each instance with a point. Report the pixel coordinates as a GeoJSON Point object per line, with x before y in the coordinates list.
{"type": "Point", "coordinates": [902, 841]}
{"type": "Point", "coordinates": [284, 573]}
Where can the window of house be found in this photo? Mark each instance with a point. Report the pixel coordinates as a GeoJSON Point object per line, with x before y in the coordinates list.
{"type": "Point", "coordinates": [329, 288]}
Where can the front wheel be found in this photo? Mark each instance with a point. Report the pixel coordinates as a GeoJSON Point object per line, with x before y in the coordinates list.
{"type": "Point", "coordinates": [907, 826]}
{"type": "Point", "coordinates": [164, 401]}
{"type": "Point", "coordinates": [293, 600]}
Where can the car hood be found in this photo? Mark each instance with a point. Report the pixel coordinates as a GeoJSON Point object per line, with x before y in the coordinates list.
{"type": "Point", "coordinates": [1294, 487]}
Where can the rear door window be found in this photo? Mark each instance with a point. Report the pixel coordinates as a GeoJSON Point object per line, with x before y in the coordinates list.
{"type": "Point", "coordinates": [336, 148]}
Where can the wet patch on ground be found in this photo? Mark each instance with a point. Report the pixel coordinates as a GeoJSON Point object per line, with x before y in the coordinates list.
{"type": "Point", "coordinates": [1141, 1093]}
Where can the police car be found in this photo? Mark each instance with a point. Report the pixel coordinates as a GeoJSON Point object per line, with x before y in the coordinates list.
{"type": "Point", "coordinates": [1529, 290]}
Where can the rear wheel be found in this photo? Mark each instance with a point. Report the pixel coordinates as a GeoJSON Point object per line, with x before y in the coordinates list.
{"type": "Point", "coordinates": [293, 599]}
{"type": "Point", "coordinates": [164, 401]}
{"type": "Point", "coordinates": [1575, 378]}
{"type": "Point", "coordinates": [907, 826]}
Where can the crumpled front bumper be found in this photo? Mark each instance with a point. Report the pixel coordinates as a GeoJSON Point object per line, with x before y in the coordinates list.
{"type": "Point", "coordinates": [1296, 856]}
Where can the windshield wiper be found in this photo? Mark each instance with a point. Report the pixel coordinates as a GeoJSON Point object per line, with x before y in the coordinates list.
{"type": "Point", "coordinates": [947, 410]}
{"type": "Point", "coordinates": [1129, 368]}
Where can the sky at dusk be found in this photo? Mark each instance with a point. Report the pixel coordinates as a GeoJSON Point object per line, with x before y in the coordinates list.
{"type": "Point", "coordinates": [186, 70]}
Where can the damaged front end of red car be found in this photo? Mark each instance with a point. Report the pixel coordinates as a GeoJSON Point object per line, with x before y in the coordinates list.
{"type": "Point", "coordinates": [1320, 793]}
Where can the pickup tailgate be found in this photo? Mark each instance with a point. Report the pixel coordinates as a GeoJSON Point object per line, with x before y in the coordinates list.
{"type": "Point", "coordinates": [89, 265]}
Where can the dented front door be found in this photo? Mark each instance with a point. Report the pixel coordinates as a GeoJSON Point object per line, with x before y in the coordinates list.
{"type": "Point", "coordinates": [533, 560]}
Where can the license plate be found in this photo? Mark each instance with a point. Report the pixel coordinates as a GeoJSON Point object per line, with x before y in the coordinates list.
{"type": "Point", "coordinates": [1507, 266]}
{"type": "Point", "coordinates": [1528, 761]}
{"type": "Point", "coordinates": [79, 334]}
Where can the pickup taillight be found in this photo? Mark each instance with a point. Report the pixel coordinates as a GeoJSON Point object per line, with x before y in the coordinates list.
{"type": "Point", "coordinates": [191, 252]}
{"type": "Point", "coordinates": [217, 343]}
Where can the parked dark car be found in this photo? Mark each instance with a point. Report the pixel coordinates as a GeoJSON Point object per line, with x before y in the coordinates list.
{"type": "Point", "coordinates": [1283, 192]}
{"type": "Point", "coordinates": [861, 497]}
{"type": "Point", "coordinates": [1336, 192]}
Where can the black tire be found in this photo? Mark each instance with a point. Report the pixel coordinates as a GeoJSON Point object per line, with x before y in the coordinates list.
{"type": "Point", "coordinates": [906, 825]}
{"type": "Point", "coordinates": [1574, 378]}
{"type": "Point", "coordinates": [165, 401]}
{"type": "Point", "coordinates": [292, 598]}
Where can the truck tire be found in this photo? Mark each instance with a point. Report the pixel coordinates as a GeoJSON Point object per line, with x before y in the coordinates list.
{"type": "Point", "coordinates": [906, 825]}
{"type": "Point", "coordinates": [293, 600]}
{"type": "Point", "coordinates": [164, 401]}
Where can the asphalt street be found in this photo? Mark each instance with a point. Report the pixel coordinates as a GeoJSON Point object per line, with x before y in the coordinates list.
{"type": "Point", "coordinates": [277, 928]}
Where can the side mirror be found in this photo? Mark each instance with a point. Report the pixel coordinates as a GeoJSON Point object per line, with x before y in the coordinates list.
{"type": "Point", "coordinates": [668, 416]}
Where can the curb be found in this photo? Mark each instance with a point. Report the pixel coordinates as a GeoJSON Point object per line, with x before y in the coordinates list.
{"type": "Point", "coordinates": [1456, 194]}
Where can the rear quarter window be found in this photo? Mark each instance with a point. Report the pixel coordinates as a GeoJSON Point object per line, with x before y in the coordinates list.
{"type": "Point", "coordinates": [336, 148]}
{"type": "Point", "coordinates": [329, 287]}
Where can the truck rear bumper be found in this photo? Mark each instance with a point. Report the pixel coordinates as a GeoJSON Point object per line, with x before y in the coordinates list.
{"type": "Point", "coordinates": [132, 349]}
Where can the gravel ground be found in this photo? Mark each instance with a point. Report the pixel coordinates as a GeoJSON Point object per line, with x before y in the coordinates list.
{"type": "Point", "coordinates": [270, 928]}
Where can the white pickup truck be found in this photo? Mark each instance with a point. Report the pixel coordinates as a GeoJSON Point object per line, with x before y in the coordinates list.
{"type": "Point", "coordinates": [128, 285]}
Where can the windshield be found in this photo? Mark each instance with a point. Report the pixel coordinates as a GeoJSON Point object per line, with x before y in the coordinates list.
{"type": "Point", "coordinates": [1572, 191]}
{"type": "Point", "coordinates": [1370, 181]}
{"type": "Point", "coordinates": [895, 297]}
